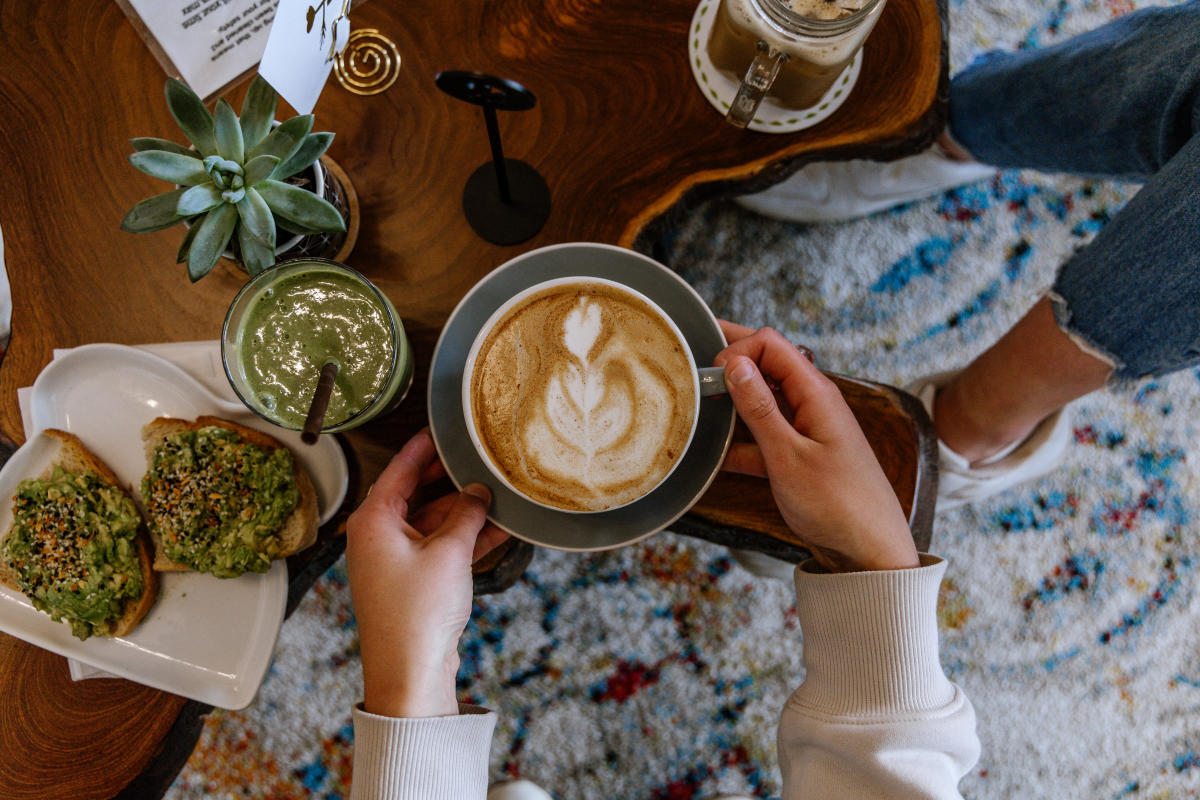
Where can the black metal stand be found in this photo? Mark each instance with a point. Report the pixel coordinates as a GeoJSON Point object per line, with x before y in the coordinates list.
{"type": "Point", "coordinates": [505, 201]}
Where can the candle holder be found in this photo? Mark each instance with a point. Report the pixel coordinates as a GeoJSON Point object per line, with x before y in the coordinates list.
{"type": "Point", "coordinates": [505, 201]}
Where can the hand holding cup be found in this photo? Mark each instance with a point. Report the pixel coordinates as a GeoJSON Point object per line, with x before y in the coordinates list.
{"type": "Point", "coordinates": [828, 484]}
{"type": "Point", "coordinates": [411, 582]}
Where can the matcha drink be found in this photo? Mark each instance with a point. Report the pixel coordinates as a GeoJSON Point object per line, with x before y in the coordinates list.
{"type": "Point", "coordinates": [288, 322]}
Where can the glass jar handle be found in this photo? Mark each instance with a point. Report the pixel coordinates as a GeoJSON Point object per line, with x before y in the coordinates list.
{"type": "Point", "coordinates": [758, 80]}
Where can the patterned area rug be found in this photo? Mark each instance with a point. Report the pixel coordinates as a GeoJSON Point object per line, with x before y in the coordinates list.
{"type": "Point", "coordinates": [658, 671]}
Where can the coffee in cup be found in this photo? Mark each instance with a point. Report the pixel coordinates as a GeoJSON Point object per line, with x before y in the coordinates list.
{"type": "Point", "coordinates": [788, 51]}
{"type": "Point", "coordinates": [581, 394]}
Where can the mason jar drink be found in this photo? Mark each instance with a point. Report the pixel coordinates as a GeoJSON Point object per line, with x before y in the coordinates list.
{"type": "Point", "coordinates": [291, 320]}
{"type": "Point", "coordinates": [787, 51]}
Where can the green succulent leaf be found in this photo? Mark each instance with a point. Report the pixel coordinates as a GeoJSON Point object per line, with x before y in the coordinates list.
{"type": "Point", "coordinates": [300, 206]}
{"type": "Point", "coordinates": [153, 213]}
{"type": "Point", "coordinates": [256, 217]}
{"type": "Point", "coordinates": [216, 164]}
{"type": "Point", "coordinates": [258, 111]}
{"type": "Point", "coordinates": [292, 229]}
{"type": "Point", "coordinates": [149, 143]}
{"type": "Point", "coordinates": [284, 140]}
{"type": "Point", "coordinates": [256, 234]}
{"type": "Point", "coordinates": [199, 199]}
{"type": "Point", "coordinates": [255, 255]}
{"type": "Point", "coordinates": [312, 148]}
{"type": "Point", "coordinates": [173, 167]}
{"type": "Point", "coordinates": [229, 133]}
{"type": "Point", "coordinates": [186, 245]}
{"type": "Point", "coordinates": [215, 231]}
{"type": "Point", "coordinates": [259, 169]}
{"type": "Point", "coordinates": [233, 195]}
{"type": "Point", "coordinates": [194, 118]}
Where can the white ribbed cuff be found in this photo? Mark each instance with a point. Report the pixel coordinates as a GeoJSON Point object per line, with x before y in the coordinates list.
{"type": "Point", "coordinates": [434, 758]}
{"type": "Point", "coordinates": [871, 640]}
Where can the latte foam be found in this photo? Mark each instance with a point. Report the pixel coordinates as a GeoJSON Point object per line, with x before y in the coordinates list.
{"type": "Point", "coordinates": [583, 396]}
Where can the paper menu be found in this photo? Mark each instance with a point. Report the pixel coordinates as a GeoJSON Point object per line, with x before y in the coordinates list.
{"type": "Point", "coordinates": [211, 44]}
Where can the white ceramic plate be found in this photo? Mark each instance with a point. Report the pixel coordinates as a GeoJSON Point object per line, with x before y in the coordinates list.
{"type": "Point", "coordinates": [205, 638]}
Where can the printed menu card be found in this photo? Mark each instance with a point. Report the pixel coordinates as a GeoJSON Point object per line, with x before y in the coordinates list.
{"type": "Point", "coordinates": [211, 44]}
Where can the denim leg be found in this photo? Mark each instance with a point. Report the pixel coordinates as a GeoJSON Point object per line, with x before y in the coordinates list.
{"type": "Point", "coordinates": [1118, 101]}
{"type": "Point", "coordinates": [1134, 292]}
{"type": "Point", "coordinates": [1122, 101]}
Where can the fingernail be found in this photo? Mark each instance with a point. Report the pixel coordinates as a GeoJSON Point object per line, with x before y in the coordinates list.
{"type": "Point", "coordinates": [478, 490]}
{"type": "Point", "coordinates": [742, 372]}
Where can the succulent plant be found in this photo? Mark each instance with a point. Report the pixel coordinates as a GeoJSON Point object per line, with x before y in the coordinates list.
{"type": "Point", "coordinates": [232, 180]}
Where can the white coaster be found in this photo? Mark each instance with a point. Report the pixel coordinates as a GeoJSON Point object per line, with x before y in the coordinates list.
{"type": "Point", "coordinates": [719, 90]}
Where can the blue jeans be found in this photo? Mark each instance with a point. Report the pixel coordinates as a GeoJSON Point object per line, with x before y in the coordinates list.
{"type": "Point", "coordinates": [1122, 101]}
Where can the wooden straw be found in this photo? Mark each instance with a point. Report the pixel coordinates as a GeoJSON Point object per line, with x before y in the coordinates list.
{"type": "Point", "coordinates": [320, 404]}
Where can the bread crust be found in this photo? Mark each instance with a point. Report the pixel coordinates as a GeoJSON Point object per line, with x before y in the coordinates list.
{"type": "Point", "coordinates": [299, 529]}
{"type": "Point", "coordinates": [73, 456]}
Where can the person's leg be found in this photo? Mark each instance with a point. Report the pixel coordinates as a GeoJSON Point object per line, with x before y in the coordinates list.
{"type": "Point", "coordinates": [1000, 397]}
{"type": "Point", "coordinates": [1122, 101]}
{"type": "Point", "coordinates": [1118, 101]}
{"type": "Point", "coordinates": [1128, 305]}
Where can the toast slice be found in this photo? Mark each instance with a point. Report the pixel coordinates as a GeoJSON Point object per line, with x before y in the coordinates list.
{"type": "Point", "coordinates": [297, 531]}
{"type": "Point", "coordinates": [72, 456]}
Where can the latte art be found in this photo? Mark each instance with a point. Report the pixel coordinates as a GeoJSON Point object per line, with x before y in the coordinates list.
{"type": "Point", "coordinates": [583, 396]}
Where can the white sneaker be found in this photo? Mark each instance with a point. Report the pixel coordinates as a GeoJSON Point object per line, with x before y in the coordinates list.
{"type": "Point", "coordinates": [517, 790]}
{"type": "Point", "coordinates": [1034, 456]}
{"type": "Point", "coordinates": [832, 191]}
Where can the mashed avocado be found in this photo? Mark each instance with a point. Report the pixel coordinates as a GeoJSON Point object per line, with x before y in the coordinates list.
{"type": "Point", "coordinates": [72, 547]}
{"type": "Point", "coordinates": [217, 503]}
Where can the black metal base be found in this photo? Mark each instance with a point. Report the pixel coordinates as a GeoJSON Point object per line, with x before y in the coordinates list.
{"type": "Point", "coordinates": [506, 223]}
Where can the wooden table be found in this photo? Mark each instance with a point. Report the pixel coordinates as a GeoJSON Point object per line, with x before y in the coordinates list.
{"type": "Point", "coordinates": [620, 133]}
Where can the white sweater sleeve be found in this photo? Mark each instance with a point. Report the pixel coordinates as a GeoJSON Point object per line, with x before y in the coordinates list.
{"type": "Point", "coordinates": [438, 758]}
{"type": "Point", "coordinates": [875, 717]}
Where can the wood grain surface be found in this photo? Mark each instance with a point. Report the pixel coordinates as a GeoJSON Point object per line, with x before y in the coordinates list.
{"type": "Point", "coordinates": [43, 753]}
{"type": "Point", "coordinates": [620, 133]}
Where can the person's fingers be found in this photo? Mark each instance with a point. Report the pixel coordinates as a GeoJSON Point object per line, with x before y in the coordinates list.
{"type": "Point", "coordinates": [745, 458]}
{"type": "Point", "coordinates": [400, 479]}
{"type": "Point", "coordinates": [489, 539]}
{"type": "Point", "coordinates": [467, 514]}
{"type": "Point", "coordinates": [768, 348]}
{"type": "Point", "coordinates": [733, 331]}
{"type": "Point", "coordinates": [804, 387]}
{"type": "Point", "coordinates": [755, 404]}
{"type": "Point", "coordinates": [434, 472]}
{"type": "Point", "coordinates": [431, 515]}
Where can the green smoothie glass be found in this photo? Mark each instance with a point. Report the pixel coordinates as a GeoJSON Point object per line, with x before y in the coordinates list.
{"type": "Point", "coordinates": [291, 320]}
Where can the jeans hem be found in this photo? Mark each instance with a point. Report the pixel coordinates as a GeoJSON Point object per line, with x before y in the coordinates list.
{"type": "Point", "coordinates": [1062, 315]}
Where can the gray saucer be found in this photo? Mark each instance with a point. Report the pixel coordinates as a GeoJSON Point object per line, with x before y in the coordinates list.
{"type": "Point", "coordinates": [529, 521]}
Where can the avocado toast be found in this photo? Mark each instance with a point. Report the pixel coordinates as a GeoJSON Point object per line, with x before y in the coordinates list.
{"type": "Point", "coordinates": [77, 547]}
{"type": "Point", "coordinates": [222, 498]}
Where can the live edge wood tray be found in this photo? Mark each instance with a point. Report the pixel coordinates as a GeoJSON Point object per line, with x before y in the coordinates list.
{"type": "Point", "coordinates": [622, 136]}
